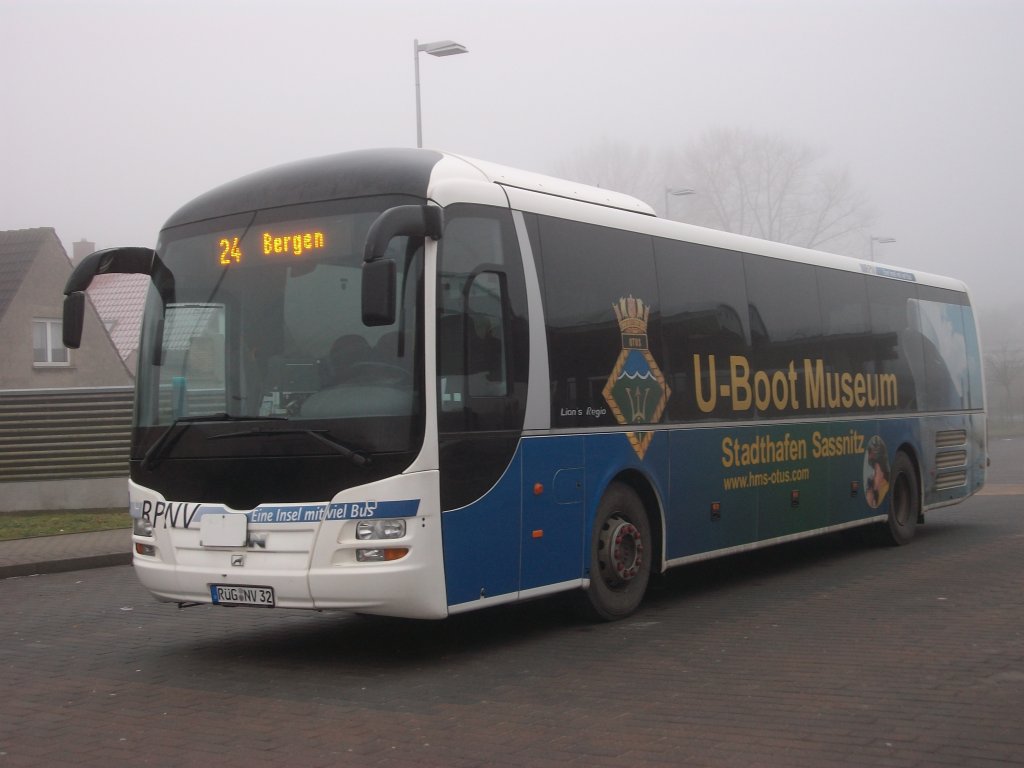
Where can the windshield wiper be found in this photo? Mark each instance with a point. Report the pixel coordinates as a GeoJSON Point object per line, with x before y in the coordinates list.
{"type": "Point", "coordinates": [358, 458]}
{"type": "Point", "coordinates": [165, 443]}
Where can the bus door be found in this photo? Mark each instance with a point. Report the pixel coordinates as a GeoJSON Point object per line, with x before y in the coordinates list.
{"type": "Point", "coordinates": [482, 365]}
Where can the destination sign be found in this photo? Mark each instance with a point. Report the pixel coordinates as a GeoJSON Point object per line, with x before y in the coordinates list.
{"type": "Point", "coordinates": [294, 243]}
{"type": "Point", "coordinates": [230, 251]}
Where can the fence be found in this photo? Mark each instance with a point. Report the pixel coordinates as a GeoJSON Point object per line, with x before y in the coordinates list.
{"type": "Point", "coordinates": [63, 434]}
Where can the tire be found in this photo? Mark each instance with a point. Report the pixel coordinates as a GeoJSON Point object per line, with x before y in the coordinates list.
{"type": "Point", "coordinates": [620, 554]}
{"type": "Point", "coordinates": [904, 504]}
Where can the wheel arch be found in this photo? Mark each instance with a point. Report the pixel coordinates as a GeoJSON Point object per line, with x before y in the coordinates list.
{"type": "Point", "coordinates": [911, 453]}
{"type": "Point", "coordinates": [644, 487]}
{"type": "Point", "coordinates": [904, 510]}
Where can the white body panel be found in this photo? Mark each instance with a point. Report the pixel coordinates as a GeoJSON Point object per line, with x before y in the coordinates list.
{"type": "Point", "coordinates": [309, 562]}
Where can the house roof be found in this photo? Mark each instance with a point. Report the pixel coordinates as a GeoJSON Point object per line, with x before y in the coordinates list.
{"type": "Point", "coordinates": [18, 249]}
{"type": "Point", "coordinates": [119, 300]}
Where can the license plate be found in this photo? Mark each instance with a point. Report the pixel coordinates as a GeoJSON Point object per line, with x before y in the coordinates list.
{"type": "Point", "coordinates": [238, 594]}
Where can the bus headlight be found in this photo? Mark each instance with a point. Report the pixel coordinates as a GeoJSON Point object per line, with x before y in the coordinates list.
{"type": "Point", "coordinates": [142, 527]}
{"type": "Point", "coordinates": [380, 529]}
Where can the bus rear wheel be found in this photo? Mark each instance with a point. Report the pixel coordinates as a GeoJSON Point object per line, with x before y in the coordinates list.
{"type": "Point", "coordinates": [904, 504]}
{"type": "Point", "coordinates": [620, 554]}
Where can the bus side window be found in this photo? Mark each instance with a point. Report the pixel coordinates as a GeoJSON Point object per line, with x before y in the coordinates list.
{"type": "Point", "coordinates": [471, 345]}
{"type": "Point", "coordinates": [940, 321]}
{"type": "Point", "coordinates": [897, 347]}
{"type": "Point", "coordinates": [482, 360]}
{"type": "Point", "coordinates": [485, 347]}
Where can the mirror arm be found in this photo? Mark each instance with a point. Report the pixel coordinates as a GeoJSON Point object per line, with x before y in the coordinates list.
{"type": "Point", "coordinates": [110, 261]}
{"type": "Point", "coordinates": [402, 220]}
{"type": "Point", "coordinates": [128, 261]}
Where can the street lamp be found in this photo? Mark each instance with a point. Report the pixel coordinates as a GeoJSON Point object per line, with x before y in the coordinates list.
{"type": "Point", "coordinates": [676, 192]}
{"type": "Point", "coordinates": [879, 240]}
{"type": "Point", "coordinates": [437, 48]}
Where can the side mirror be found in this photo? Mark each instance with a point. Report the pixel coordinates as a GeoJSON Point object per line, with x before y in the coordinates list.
{"type": "Point", "coordinates": [123, 261]}
{"type": "Point", "coordinates": [74, 319]}
{"type": "Point", "coordinates": [379, 292]}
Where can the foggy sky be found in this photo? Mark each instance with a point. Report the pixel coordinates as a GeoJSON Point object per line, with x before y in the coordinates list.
{"type": "Point", "coordinates": [116, 112]}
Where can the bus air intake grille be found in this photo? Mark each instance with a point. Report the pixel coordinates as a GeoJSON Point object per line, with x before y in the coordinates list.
{"type": "Point", "coordinates": [951, 459]}
{"type": "Point", "coordinates": [950, 438]}
{"type": "Point", "coordinates": [952, 480]}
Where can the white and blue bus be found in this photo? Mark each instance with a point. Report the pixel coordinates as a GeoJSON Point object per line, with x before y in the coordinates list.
{"type": "Point", "coordinates": [410, 383]}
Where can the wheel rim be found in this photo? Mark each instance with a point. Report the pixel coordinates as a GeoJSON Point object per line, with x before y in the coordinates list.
{"type": "Point", "coordinates": [621, 552]}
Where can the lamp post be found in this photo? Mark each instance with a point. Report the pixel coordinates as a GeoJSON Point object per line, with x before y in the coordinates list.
{"type": "Point", "coordinates": [676, 192]}
{"type": "Point", "coordinates": [879, 240]}
{"type": "Point", "coordinates": [437, 48]}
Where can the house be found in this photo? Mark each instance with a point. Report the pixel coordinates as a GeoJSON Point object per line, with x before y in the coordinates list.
{"type": "Point", "coordinates": [33, 270]}
{"type": "Point", "coordinates": [65, 415]}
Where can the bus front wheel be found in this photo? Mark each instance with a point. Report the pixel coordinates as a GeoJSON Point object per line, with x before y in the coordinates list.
{"type": "Point", "coordinates": [905, 504]}
{"type": "Point", "coordinates": [620, 554]}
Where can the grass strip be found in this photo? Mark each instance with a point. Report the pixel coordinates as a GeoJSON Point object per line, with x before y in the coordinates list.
{"type": "Point", "coordinates": [24, 525]}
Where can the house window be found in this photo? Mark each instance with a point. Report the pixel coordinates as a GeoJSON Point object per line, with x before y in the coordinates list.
{"type": "Point", "coordinates": [47, 345]}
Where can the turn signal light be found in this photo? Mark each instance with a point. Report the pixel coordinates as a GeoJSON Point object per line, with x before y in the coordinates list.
{"type": "Point", "coordinates": [381, 555]}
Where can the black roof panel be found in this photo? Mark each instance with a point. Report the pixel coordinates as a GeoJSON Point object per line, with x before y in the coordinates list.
{"type": "Point", "coordinates": [349, 174]}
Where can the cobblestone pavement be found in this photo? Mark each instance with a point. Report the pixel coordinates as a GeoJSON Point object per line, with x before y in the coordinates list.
{"type": "Point", "coordinates": [825, 653]}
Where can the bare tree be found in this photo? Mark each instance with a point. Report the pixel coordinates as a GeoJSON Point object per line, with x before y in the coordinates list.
{"type": "Point", "coordinates": [1002, 332]}
{"type": "Point", "coordinates": [745, 182]}
{"type": "Point", "coordinates": [1005, 371]}
{"type": "Point", "coordinates": [615, 166]}
{"type": "Point", "coordinates": [769, 187]}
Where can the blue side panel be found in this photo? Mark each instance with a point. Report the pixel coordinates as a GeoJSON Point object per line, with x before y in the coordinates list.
{"type": "Point", "coordinates": [718, 488]}
{"type": "Point", "coordinates": [793, 491]}
{"type": "Point", "coordinates": [533, 528]}
{"type": "Point", "coordinates": [693, 524]}
{"type": "Point", "coordinates": [553, 510]}
{"type": "Point", "coordinates": [481, 541]}
{"type": "Point", "coordinates": [744, 484]}
{"type": "Point", "coordinates": [846, 470]}
{"type": "Point", "coordinates": [978, 436]}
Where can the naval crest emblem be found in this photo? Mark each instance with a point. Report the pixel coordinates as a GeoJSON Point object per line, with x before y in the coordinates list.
{"type": "Point", "coordinates": [636, 390]}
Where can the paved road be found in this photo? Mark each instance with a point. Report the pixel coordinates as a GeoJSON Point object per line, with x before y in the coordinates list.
{"type": "Point", "coordinates": [826, 653]}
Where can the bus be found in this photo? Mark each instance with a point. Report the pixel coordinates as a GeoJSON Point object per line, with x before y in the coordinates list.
{"type": "Point", "coordinates": [416, 384]}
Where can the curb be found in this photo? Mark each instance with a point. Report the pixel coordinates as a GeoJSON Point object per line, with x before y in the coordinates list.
{"type": "Point", "coordinates": [64, 565]}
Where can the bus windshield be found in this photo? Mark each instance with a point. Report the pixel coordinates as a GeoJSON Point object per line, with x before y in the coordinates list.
{"type": "Point", "coordinates": [265, 325]}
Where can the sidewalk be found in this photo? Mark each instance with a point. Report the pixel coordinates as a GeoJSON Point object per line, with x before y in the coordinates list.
{"type": "Point", "coordinates": [68, 552]}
